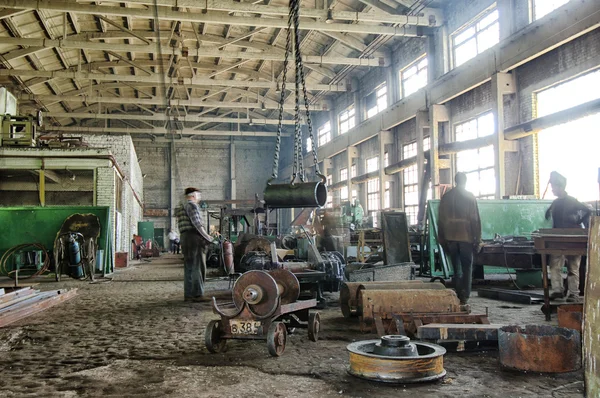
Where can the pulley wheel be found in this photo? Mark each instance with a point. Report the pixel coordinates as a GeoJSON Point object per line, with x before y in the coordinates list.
{"type": "Point", "coordinates": [276, 338]}
{"type": "Point", "coordinates": [289, 287]}
{"type": "Point", "coordinates": [258, 290]}
{"type": "Point", "coordinates": [314, 326]}
{"type": "Point", "coordinates": [212, 337]}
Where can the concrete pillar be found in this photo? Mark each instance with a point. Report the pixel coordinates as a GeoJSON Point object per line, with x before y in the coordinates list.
{"type": "Point", "coordinates": [437, 114]}
{"type": "Point", "coordinates": [422, 122]}
{"type": "Point", "coordinates": [385, 140]}
{"type": "Point", "coordinates": [351, 154]}
{"type": "Point", "coordinates": [232, 173]}
{"type": "Point", "coordinates": [334, 124]}
{"type": "Point", "coordinates": [359, 108]}
{"type": "Point", "coordinates": [506, 18]}
{"type": "Point", "coordinates": [392, 86]}
{"type": "Point", "coordinates": [502, 84]}
{"type": "Point", "coordinates": [173, 194]}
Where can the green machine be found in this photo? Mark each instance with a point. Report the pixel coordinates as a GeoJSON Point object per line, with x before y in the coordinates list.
{"type": "Point", "coordinates": [16, 130]}
{"type": "Point", "coordinates": [515, 218]}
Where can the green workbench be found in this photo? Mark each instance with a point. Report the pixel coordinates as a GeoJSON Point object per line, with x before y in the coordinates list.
{"type": "Point", "coordinates": [503, 217]}
{"type": "Point", "coordinates": [19, 225]}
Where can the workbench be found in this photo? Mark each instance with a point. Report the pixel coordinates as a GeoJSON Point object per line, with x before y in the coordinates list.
{"type": "Point", "coordinates": [558, 241]}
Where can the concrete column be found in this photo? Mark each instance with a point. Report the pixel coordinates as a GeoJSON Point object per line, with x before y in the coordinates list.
{"type": "Point", "coordinates": [422, 122]}
{"type": "Point", "coordinates": [385, 140]}
{"type": "Point", "coordinates": [173, 194]}
{"type": "Point", "coordinates": [502, 84]}
{"type": "Point", "coordinates": [506, 18]}
{"type": "Point", "coordinates": [392, 86]}
{"type": "Point", "coordinates": [232, 173]}
{"type": "Point", "coordinates": [437, 114]}
{"type": "Point", "coordinates": [351, 154]}
{"type": "Point", "coordinates": [334, 124]}
{"type": "Point", "coordinates": [358, 107]}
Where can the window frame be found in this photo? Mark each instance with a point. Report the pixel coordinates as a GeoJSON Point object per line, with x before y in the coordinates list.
{"type": "Point", "coordinates": [474, 24]}
{"type": "Point", "coordinates": [373, 199]}
{"type": "Point", "coordinates": [344, 174]}
{"type": "Point", "coordinates": [349, 118]}
{"type": "Point", "coordinates": [374, 160]}
{"type": "Point", "coordinates": [532, 8]}
{"type": "Point", "coordinates": [419, 69]}
{"type": "Point", "coordinates": [378, 97]}
{"type": "Point", "coordinates": [324, 131]}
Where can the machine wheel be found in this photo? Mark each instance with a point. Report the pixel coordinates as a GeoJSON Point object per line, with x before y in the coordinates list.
{"type": "Point", "coordinates": [314, 326]}
{"type": "Point", "coordinates": [212, 337]}
{"type": "Point", "coordinates": [276, 338]}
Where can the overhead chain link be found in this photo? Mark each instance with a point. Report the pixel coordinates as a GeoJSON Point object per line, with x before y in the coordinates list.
{"type": "Point", "coordinates": [298, 162]}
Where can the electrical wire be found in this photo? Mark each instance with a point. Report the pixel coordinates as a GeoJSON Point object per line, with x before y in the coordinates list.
{"type": "Point", "coordinates": [15, 273]}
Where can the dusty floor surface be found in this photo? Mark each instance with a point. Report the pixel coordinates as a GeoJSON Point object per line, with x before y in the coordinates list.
{"type": "Point", "coordinates": [135, 337]}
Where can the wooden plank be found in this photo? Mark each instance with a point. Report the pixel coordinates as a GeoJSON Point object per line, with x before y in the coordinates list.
{"type": "Point", "coordinates": [591, 314]}
{"type": "Point", "coordinates": [448, 331]}
{"type": "Point", "coordinates": [2, 291]}
{"type": "Point", "coordinates": [27, 291]}
{"type": "Point", "coordinates": [28, 301]}
{"type": "Point", "coordinates": [18, 314]}
{"type": "Point", "coordinates": [30, 294]}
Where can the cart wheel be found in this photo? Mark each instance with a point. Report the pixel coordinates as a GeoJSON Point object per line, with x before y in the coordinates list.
{"type": "Point", "coordinates": [314, 326]}
{"type": "Point", "coordinates": [212, 338]}
{"type": "Point", "coordinates": [276, 338]}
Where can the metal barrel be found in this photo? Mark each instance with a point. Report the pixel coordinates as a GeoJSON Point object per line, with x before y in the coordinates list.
{"type": "Point", "coordinates": [306, 194]}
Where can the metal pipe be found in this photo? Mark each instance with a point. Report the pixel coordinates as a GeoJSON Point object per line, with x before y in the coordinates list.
{"type": "Point", "coordinates": [307, 194]}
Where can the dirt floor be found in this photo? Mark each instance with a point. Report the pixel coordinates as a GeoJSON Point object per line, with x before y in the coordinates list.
{"type": "Point", "coordinates": [135, 337]}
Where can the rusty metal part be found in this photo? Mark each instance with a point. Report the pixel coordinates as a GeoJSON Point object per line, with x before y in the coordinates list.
{"type": "Point", "coordinates": [308, 194]}
{"type": "Point", "coordinates": [250, 243]}
{"type": "Point", "coordinates": [228, 257]}
{"type": "Point", "coordinates": [288, 285]}
{"type": "Point", "coordinates": [394, 359]}
{"type": "Point", "coordinates": [591, 319]}
{"type": "Point", "coordinates": [349, 292]}
{"type": "Point", "coordinates": [385, 303]}
{"type": "Point", "coordinates": [537, 348]}
{"type": "Point", "coordinates": [408, 323]}
{"type": "Point", "coordinates": [570, 316]}
{"type": "Point", "coordinates": [258, 290]}
{"type": "Point", "coordinates": [438, 332]}
{"type": "Point", "coordinates": [314, 326]}
{"type": "Point", "coordinates": [276, 338]}
{"type": "Point", "coordinates": [212, 337]}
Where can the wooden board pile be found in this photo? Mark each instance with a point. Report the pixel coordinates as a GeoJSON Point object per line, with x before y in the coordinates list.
{"type": "Point", "coordinates": [19, 303]}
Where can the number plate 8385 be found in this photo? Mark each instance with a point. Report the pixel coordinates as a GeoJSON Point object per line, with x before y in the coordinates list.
{"type": "Point", "coordinates": [244, 327]}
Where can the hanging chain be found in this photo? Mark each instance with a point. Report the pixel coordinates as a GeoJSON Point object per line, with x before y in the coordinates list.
{"type": "Point", "coordinates": [300, 73]}
{"type": "Point", "coordinates": [275, 172]}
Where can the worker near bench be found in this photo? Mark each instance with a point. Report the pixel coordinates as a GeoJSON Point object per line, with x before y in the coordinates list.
{"type": "Point", "coordinates": [459, 233]}
{"type": "Point", "coordinates": [194, 243]}
{"type": "Point", "coordinates": [566, 212]}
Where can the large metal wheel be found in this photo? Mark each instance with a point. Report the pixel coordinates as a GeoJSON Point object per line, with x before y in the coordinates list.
{"type": "Point", "coordinates": [276, 338]}
{"type": "Point", "coordinates": [314, 326]}
{"type": "Point", "coordinates": [212, 337]}
{"type": "Point", "coordinates": [287, 283]}
{"type": "Point", "coordinates": [258, 290]}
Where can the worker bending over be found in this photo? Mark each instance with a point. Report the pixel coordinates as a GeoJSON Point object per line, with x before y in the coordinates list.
{"type": "Point", "coordinates": [459, 233]}
{"type": "Point", "coordinates": [194, 242]}
{"type": "Point", "coordinates": [566, 212]}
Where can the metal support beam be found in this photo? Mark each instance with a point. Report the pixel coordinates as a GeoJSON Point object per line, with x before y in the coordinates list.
{"type": "Point", "coordinates": [219, 19]}
{"type": "Point", "coordinates": [437, 114]}
{"type": "Point", "coordinates": [158, 130]}
{"type": "Point", "coordinates": [502, 84]}
{"type": "Point", "coordinates": [200, 52]}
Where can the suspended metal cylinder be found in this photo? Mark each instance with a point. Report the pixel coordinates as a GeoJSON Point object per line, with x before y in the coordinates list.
{"type": "Point", "coordinates": [306, 194]}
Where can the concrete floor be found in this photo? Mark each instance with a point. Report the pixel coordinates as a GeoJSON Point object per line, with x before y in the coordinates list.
{"type": "Point", "coordinates": [135, 337]}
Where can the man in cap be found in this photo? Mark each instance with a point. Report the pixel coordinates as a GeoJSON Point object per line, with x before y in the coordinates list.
{"type": "Point", "coordinates": [459, 233]}
{"type": "Point", "coordinates": [566, 212]}
{"type": "Point", "coordinates": [194, 242]}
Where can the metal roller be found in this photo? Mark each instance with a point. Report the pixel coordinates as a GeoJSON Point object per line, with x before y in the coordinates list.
{"type": "Point", "coordinates": [287, 284]}
{"type": "Point", "coordinates": [349, 292]}
{"type": "Point", "coordinates": [386, 302]}
{"type": "Point", "coordinates": [306, 194]}
{"type": "Point", "coordinates": [394, 359]}
{"type": "Point", "coordinates": [258, 290]}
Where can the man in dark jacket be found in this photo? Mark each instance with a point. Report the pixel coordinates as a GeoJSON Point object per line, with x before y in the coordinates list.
{"type": "Point", "coordinates": [566, 212]}
{"type": "Point", "coordinates": [459, 233]}
{"type": "Point", "coordinates": [194, 242]}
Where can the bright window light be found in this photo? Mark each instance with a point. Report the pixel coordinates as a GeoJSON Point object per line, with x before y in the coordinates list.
{"type": "Point", "coordinates": [373, 164]}
{"type": "Point", "coordinates": [541, 8]}
{"type": "Point", "coordinates": [377, 101]}
{"type": "Point", "coordinates": [324, 134]}
{"type": "Point", "coordinates": [347, 120]}
{"type": "Point", "coordinates": [476, 38]}
{"type": "Point", "coordinates": [414, 77]}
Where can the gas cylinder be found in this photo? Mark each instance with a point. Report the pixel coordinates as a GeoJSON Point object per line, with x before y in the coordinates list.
{"type": "Point", "coordinates": [228, 257]}
{"type": "Point", "coordinates": [74, 250]}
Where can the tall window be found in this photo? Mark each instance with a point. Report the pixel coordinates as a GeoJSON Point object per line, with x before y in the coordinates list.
{"type": "Point", "coordinates": [344, 194]}
{"type": "Point", "coordinates": [373, 164]}
{"type": "Point", "coordinates": [354, 195]}
{"type": "Point", "coordinates": [410, 179]}
{"type": "Point", "coordinates": [309, 146]}
{"type": "Point", "coordinates": [413, 77]}
{"type": "Point", "coordinates": [478, 164]}
{"type": "Point", "coordinates": [377, 101]}
{"type": "Point", "coordinates": [386, 159]}
{"type": "Point", "coordinates": [343, 174]}
{"type": "Point", "coordinates": [541, 8]}
{"type": "Point", "coordinates": [373, 199]}
{"type": "Point", "coordinates": [476, 38]}
{"type": "Point", "coordinates": [324, 134]}
{"type": "Point", "coordinates": [353, 171]}
{"type": "Point", "coordinates": [347, 120]}
{"type": "Point", "coordinates": [329, 179]}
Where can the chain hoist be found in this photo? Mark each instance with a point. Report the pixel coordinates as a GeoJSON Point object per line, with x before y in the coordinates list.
{"type": "Point", "coordinates": [295, 194]}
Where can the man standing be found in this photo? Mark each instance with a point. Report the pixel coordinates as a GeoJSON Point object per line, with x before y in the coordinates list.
{"type": "Point", "coordinates": [194, 242]}
{"type": "Point", "coordinates": [459, 233]}
{"type": "Point", "coordinates": [566, 212]}
{"type": "Point", "coordinates": [173, 238]}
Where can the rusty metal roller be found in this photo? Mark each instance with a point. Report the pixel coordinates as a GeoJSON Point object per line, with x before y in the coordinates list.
{"type": "Point", "coordinates": [382, 302]}
{"type": "Point", "coordinates": [306, 194]}
{"type": "Point", "coordinates": [395, 359]}
{"type": "Point", "coordinates": [258, 290]}
{"type": "Point", "coordinates": [287, 284]}
{"type": "Point", "coordinates": [349, 292]}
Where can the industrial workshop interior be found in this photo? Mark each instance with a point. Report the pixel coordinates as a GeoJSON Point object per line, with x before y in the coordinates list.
{"type": "Point", "coordinates": [299, 198]}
